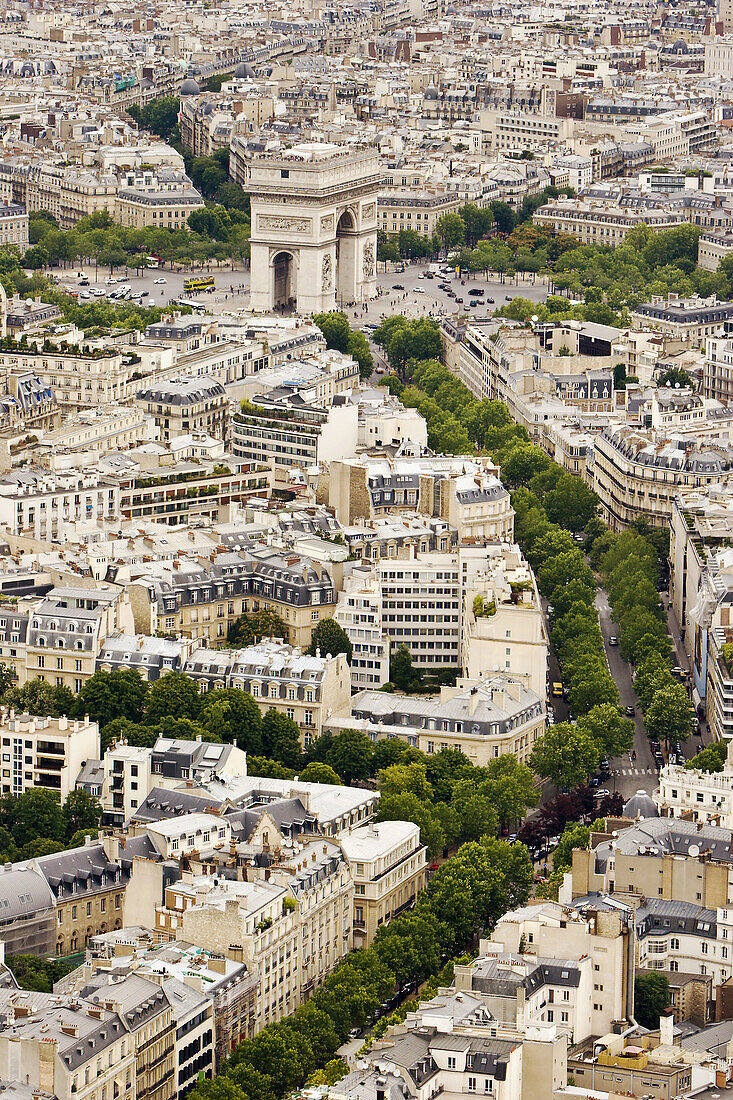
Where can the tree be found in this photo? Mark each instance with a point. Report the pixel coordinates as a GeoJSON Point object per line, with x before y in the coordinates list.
{"type": "Point", "coordinates": [174, 695]}
{"type": "Point", "coordinates": [36, 813]}
{"type": "Point", "coordinates": [330, 640]}
{"type": "Point", "coordinates": [233, 715]}
{"type": "Point", "coordinates": [451, 230]}
{"type": "Point", "coordinates": [566, 755]}
{"type": "Point", "coordinates": [82, 811]}
{"type": "Point", "coordinates": [318, 772]}
{"type": "Point", "coordinates": [335, 328]}
{"type": "Point", "coordinates": [571, 503]}
{"type": "Point", "coordinates": [405, 777]}
{"type": "Point", "coordinates": [251, 628]}
{"type": "Point", "coordinates": [574, 836]}
{"type": "Point", "coordinates": [36, 697]}
{"type": "Point", "coordinates": [675, 376]}
{"type": "Point", "coordinates": [651, 997]}
{"type": "Point", "coordinates": [609, 729]}
{"type": "Point", "coordinates": [401, 671]}
{"type": "Point", "coordinates": [109, 695]}
{"type": "Point", "coordinates": [651, 674]}
{"type": "Point", "coordinates": [510, 788]}
{"type": "Point", "coordinates": [350, 755]}
{"type": "Point", "coordinates": [670, 716]}
{"type": "Point", "coordinates": [710, 759]}
{"type": "Point", "coordinates": [406, 806]}
{"type": "Point", "coordinates": [281, 738]}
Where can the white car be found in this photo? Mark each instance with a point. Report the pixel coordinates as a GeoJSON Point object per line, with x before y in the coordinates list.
{"type": "Point", "coordinates": [159, 282]}
{"type": "Point", "coordinates": [418, 290]}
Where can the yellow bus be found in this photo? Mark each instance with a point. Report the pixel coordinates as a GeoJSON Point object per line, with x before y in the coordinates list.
{"type": "Point", "coordinates": [204, 282]}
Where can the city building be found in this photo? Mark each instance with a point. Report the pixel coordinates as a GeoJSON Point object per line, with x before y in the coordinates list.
{"type": "Point", "coordinates": [44, 752]}
{"type": "Point", "coordinates": [388, 864]}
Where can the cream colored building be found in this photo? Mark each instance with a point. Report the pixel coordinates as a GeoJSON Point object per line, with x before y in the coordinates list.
{"type": "Point", "coordinates": [484, 720]}
{"type": "Point", "coordinates": [696, 795]}
{"type": "Point", "coordinates": [659, 858]}
{"type": "Point", "coordinates": [601, 990]}
{"type": "Point", "coordinates": [293, 929]}
{"type": "Point", "coordinates": [637, 472]}
{"type": "Point", "coordinates": [42, 1035]}
{"type": "Point", "coordinates": [45, 752]}
{"type": "Point", "coordinates": [599, 223]}
{"type": "Point", "coordinates": [388, 864]}
{"type": "Point", "coordinates": [503, 625]}
{"type": "Point", "coordinates": [279, 677]}
{"type": "Point", "coordinates": [13, 226]}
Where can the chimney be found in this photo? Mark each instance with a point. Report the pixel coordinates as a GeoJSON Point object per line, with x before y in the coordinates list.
{"type": "Point", "coordinates": [666, 1027]}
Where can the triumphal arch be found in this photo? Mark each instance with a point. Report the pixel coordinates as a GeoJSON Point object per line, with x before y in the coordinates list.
{"type": "Point", "coordinates": [314, 226]}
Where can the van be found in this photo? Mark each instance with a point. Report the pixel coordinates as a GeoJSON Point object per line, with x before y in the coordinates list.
{"type": "Point", "coordinates": [557, 689]}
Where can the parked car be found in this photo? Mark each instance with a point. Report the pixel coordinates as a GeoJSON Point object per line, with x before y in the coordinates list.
{"type": "Point", "coordinates": [159, 282]}
{"type": "Point", "coordinates": [630, 711]}
{"type": "Point", "coordinates": [397, 286]}
{"type": "Point", "coordinates": [475, 291]}
{"type": "Point", "coordinates": [613, 640]}
{"type": "Point", "coordinates": [490, 301]}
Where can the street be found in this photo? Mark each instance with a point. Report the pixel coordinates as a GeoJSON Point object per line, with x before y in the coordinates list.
{"type": "Point", "coordinates": [421, 297]}
{"type": "Point", "coordinates": [627, 776]}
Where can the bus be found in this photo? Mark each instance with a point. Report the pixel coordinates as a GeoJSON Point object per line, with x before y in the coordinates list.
{"type": "Point", "coordinates": [204, 282]}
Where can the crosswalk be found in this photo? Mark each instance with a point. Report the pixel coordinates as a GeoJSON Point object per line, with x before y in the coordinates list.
{"type": "Point", "coordinates": [636, 771]}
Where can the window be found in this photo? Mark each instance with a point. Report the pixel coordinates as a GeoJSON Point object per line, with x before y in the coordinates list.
{"type": "Point", "coordinates": [471, 1084]}
{"type": "Point", "coordinates": [451, 1062]}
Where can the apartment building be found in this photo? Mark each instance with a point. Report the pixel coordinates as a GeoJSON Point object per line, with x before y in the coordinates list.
{"type": "Point", "coordinates": [547, 963]}
{"type": "Point", "coordinates": [359, 613]}
{"type": "Point", "coordinates": [421, 607]}
{"type": "Point", "coordinates": [484, 720]}
{"type": "Point", "coordinates": [503, 626]}
{"type": "Point", "coordinates": [180, 406]}
{"type": "Point", "coordinates": [66, 630]}
{"type": "Point", "coordinates": [281, 431]}
{"type": "Point", "coordinates": [291, 930]}
{"type": "Point", "coordinates": [667, 858]}
{"type": "Point", "coordinates": [452, 1044]}
{"type": "Point", "coordinates": [681, 936]}
{"type": "Point", "coordinates": [718, 368]}
{"type": "Point", "coordinates": [63, 1046]}
{"type": "Point", "coordinates": [79, 377]}
{"type": "Point", "coordinates": [193, 485]}
{"type": "Point", "coordinates": [227, 988]}
{"type": "Point", "coordinates": [13, 226]}
{"type": "Point", "coordinates": [419, 210]}
{"type": "Point", "coordinates": [389, 868]}
{"type": "Point", "coordinates": [640, 472]}
{"type": "Point", "coordinates": [203, 599]}
{"type": "Point", "coordinates": [629, 1066]}
{"type": "Point", "coordinates": [149, 1019]}
{"type": "Point", "coordinates": [696, 795]}
{"type": "Point", "coordinates": [42, 504]}
{"type": "Point", "coordinates": [161, 205]}
{"type": "Point", "coordinates": [690, 319]}
{"type": "Point", "coordinates": [594, 222]}
{"type": "Point", "coordinates": [464, 490]}
{"type": "Point", "coordinates": [277, 676]}
{"type": "Point", "coordinates": [44, 752]}
{"type": "Point", "coordinates": [129, 773]}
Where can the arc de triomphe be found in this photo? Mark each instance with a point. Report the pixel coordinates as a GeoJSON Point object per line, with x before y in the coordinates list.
{"type": "Point", "coordinates": [314, 226]}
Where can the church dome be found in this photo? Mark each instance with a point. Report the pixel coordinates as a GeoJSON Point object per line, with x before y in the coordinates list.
{"type": "Point", "coordinates": [243, 71]}
{"type": "Point", "coordinates": [431, 92]}
{"type": "Point", "coordinates": [190, 87]}
{"type": "Point", "coordinates": [640, 805]}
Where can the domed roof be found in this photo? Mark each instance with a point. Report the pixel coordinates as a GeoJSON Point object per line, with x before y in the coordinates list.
{"type": "Point", "coordinates": [680, 46]}
{"type": "Point", "coordinates": [190, 87]}
{"type": "Point", "coordinates": [431, 92]}
{"type": "Point", "coordinates": [243, 71]}
{"type": "Point", "coordinates": [27, 69]}
{"type": "Point", "coordinates": [640, 805]}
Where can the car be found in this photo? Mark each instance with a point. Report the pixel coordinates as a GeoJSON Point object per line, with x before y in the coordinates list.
{"type": "Point", "coordinates": [418, 290]}
{"type": "Point", "coordinates": [159, 282]}
{"type": "Point", "coordinates": [550, 609]}
{"type": "Point", "coordinates": [429, 275]}
{"type": "Point", "coordinates": [475, 291]}
{"type": "Point", "coordinates": [550, 718]}
{"type": "Point", "coordinates": [603, 792]}
{"type": "Point", "coordinates": [613, 640]}
{"type": "Point", "coordinates": [451, 293]}
{"type": "Point", "coordinates": [459, 301]}
{"type": "Point", "coordinates": [397, 286]}
{"type": "Point", "coordinates": [508, 297]}
{"type": "Point", "coordinates": [490, 301]}
{"type": "Point", "coordinates": [630, 711]}
{"type": "Point", "coordinates": [680, 672]}
{"type": "Point", "coordinates": [421, 275]}
{"type": "Point", "coordinates": [355, 1033]}
{"type": "Point", "coordinates": [594, 781]}
{"type": "Point", "coordinates": [143, 293]}
{"type": "Point", "coordinates": [380, 370]}
{"type": "Point", "coordinates": [433, 866]}
{"type": "Point", "coordinates": [473, 304]}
